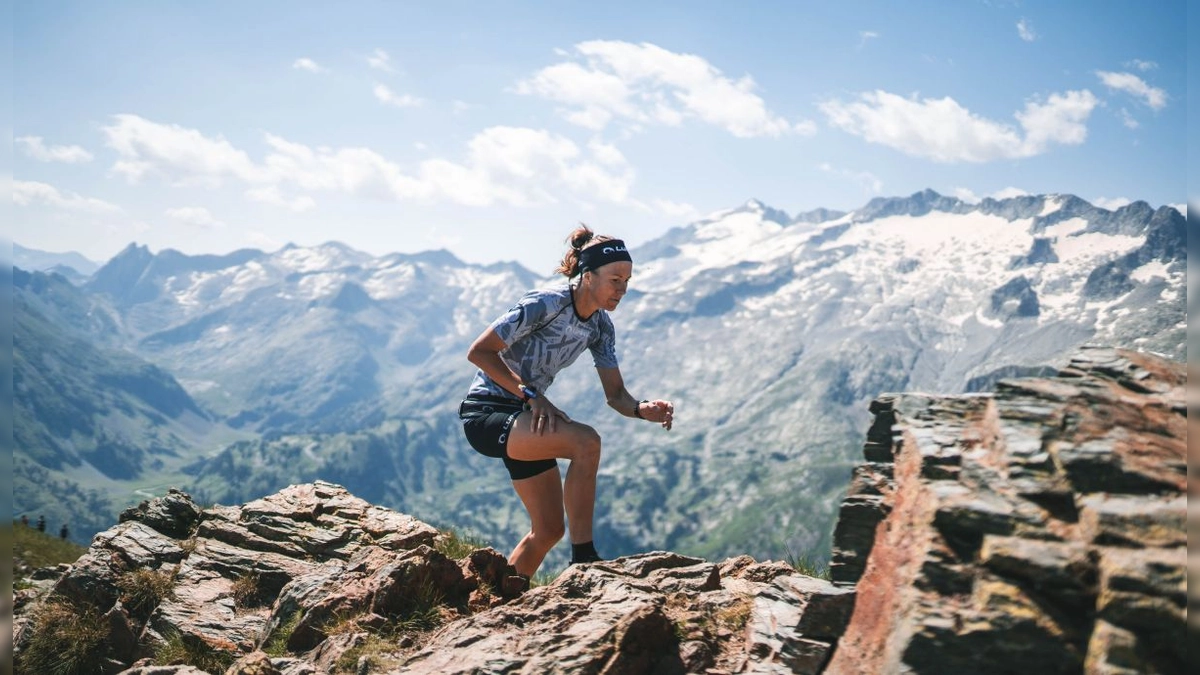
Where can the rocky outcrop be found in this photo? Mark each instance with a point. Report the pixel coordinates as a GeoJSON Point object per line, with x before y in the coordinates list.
{"type": "Point", "coordinates": [1038, 529]}
{"type": "Point", "coordinates": [315, 580]}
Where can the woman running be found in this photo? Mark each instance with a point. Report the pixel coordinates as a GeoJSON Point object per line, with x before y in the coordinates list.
{"type": "Point", "coordinates": [508, 415]}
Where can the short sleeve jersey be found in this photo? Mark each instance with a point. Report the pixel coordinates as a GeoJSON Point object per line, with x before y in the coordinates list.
{"type": "Point", "coordinates": [543, 335]}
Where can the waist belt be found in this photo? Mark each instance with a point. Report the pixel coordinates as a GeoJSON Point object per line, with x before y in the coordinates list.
{"type": "Point", "coordinates": [489, 404]}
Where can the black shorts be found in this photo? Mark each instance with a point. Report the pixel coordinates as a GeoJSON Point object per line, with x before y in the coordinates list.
{"type": "Point", "coordinates": [487, 422]}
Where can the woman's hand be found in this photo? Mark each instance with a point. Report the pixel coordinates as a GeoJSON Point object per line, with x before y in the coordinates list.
{"type": "Point", "coordinates": [659, 411]}
{"type": "Point", "coordinates": [544, 416]}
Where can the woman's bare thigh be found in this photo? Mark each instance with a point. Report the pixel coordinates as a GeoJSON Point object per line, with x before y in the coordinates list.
{"type": "Point", "coordinates": [567, 439]}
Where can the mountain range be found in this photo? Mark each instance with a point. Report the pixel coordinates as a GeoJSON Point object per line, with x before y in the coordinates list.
{"type": "Point", "coordinates": [770, 333]}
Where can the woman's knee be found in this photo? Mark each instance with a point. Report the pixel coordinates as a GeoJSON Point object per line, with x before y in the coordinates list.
{"type": "Point", "coordinates": [549, 533]}
{"type": "Point", "coordinates": [588, 445]}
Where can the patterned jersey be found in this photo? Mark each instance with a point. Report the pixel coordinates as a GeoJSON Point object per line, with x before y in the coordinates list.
{"type": "Point", "coordinates": [545, 335]}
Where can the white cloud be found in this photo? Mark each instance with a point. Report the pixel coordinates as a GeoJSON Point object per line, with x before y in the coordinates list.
{"type": "Point", "coordinates": [36, 148]}
{"type": "Point", "coordinates": [645, 84]}
{"type": "Point", "coordinates": [305, 63]}
{"type": "Point", "coordinates": [272, 195]}
{"type": "Point", "coordinates": [1141, 65]}
{"type": "Point", "coordinates": [1132, 84]}
{"type": "Point", "coordinates": [380, 60]}
{"type": "Point", "coordinates": [1181, 208]}
{"type": "Point", "coordinates": [459, 107]}
{"type": "Point", "coordinates": [26, 193]}
{"type": "Point", "coordinates": [1025, 30]}
{"type": "Point", "coordinates": [502, 165]}
{"type": "Point", "coordinates": [1128, 119]}
{"type": "Point", "coordinates": [196, 216]}
{"type": "Point", "coordinates": [869, 182]}
{"type": "Point", "coordinates": [183, 156]}
{"type": "Point", "coordinates": [944, 131]}
{"type": "Point", "coordinates": [1113, 203]}
{"type": "Point", "coordinates": [864, 35]}
{"type": "Point", "coordinates": [386, 95]}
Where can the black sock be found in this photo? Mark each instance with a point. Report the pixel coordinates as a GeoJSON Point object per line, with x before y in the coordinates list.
{"type": "Point", "coordinates": [584, 553]}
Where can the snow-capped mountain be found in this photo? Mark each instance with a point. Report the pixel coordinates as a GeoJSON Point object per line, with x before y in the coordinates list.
{"type": "Point", "coordinates": [770, 332]}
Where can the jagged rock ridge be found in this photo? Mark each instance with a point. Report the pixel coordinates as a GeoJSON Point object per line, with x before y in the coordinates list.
{"type": "Point", "coordinates": [1037, 529]}
{"type": "Point", "coordinates": [314, 575]}
{"type": "Point", "coordinates": [1040, 529]}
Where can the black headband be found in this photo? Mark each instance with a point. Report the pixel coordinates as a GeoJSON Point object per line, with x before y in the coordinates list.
{"type": "Point", "coordinates": [598, 255]}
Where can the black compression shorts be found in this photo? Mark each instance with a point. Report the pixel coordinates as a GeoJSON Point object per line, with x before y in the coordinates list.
{"type": "Point", "coordinates": [487, 422]}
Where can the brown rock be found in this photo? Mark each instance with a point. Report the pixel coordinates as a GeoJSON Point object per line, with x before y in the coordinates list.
{"type": "Point", "coordinates": [1039, 529]}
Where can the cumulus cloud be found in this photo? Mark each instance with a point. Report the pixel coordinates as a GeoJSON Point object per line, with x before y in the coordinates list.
{"type": "Point", "coordinates": [386, 95]}
{"type": "Point", "coordinates": [305, 63]}
{"type": "Point", "coordinates": [26, 193]}
{"type": "Point", "coordinates": [502, 165]}
{"type": "Point", "coordinates": [1025, 30]}
{"type": "Point", "coordinates": [380, 60]}
{"type": "Point", "coordinates": [1139, 64]}
{"type": "Point", "coordinates": [181, 155]}
{"type": "Point", "coordinates": [36, 148]}
{"type": "Point", "coordinates": [945, 131]}
{"type": "Point", "coordinates": [644, 84]}
{"type": "Point", "coordinates": [1135, 86]}
{"type": "Point", "coordinates": [1128, 119]}
{"type": "Point", "coordinates": [196, 216]}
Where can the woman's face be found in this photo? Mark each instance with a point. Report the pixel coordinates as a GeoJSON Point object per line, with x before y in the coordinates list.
{"type": "Point", "coordinates": [607, 285]}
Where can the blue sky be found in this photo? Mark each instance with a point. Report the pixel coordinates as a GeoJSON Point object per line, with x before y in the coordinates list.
{"type": "Point", "coordinates": [491, 129]}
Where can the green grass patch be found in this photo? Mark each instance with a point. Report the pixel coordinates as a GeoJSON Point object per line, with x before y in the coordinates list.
{"type": "Point", "coordinates": [456, 546]}
{"type": "Point", "coordinates": [39, 549]}
{"type": "Point", "coordinates": [276, 643]}
{"type": "Point", "coordinates": [806, 564]}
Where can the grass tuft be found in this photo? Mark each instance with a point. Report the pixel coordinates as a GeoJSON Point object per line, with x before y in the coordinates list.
{"type": "Point", "coordinates": [182, 651]}
{"type": "Point", "coordinates": [456, 546]}
{"type": "Point", "coordinates": [806, 564]}
{"type": "Point", "coordinates": [378, 652]}
{"type": "Point", "coordinates": [276, 643]}
{"type": "Point", "coordinates": [247, 590]}
{"type": "Point", "coordinates": [67, 639]}
{"type": "Point", "coordinates": [142, 590]}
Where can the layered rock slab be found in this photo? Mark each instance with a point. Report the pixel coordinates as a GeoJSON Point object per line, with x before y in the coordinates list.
{"type": "Point", "coordinates": [1041, 528]}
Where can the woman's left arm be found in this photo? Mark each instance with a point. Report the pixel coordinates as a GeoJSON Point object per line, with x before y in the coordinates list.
{"type": "Point", "coordinates": [619, 399]}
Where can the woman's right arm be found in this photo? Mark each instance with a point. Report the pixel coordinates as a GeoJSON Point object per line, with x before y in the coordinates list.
{"type": "Point", "coordinates": [485, 355]}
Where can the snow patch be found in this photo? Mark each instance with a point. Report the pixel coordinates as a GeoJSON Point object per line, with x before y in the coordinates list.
{"type": "Point", "coordinates": [1066, 227]}
{"type": "Point", "coordinates": [1050, 205]}
{"type": "Point", "coordinates": [1150, 270]}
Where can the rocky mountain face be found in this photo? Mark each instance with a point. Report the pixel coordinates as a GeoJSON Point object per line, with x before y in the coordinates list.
{"type": "Point", "coordinates": [771, 333]}
{"type": "Point", "coordinates": [92, 421]}
{"type": "Point", "coordinates": [1038, 529]}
